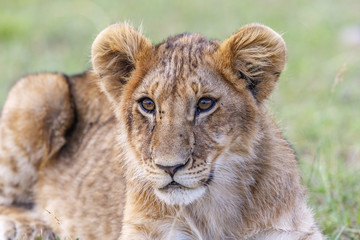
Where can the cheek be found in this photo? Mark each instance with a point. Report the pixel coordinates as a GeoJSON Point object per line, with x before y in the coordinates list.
{"type": "Point", "coordinates": [220, 129]}
{"type": "Point", "coordinates": [239, 113]}
{"type": "Point", "coordinates": [140, 133]}
{"type": "Point", "coordinates": [217, 126]}
{"type": "Point", "coordinates": [210, 136]}
{"type": "Point", "coordinates": [246, 120]}
{"type": "Point", "coordinates": [245, 128]}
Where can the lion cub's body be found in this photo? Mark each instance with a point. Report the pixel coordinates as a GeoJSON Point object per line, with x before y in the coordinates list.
{"type": "Point", "coordinates": [96, 164]}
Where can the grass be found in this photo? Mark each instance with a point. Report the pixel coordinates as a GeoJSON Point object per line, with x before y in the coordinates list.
{"type": "Point", "coordinates": [316, 103]}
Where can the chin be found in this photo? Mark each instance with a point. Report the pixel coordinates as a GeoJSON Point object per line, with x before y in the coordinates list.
{"type": "Point", "coordinates": [179, 195]}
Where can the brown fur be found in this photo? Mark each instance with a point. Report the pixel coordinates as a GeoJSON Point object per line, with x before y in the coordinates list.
{"type": "Point", "coordinates": [92, 161]}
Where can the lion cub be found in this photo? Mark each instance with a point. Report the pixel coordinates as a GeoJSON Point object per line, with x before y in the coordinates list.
{"type": "Point", "coordinates": [167, 141]}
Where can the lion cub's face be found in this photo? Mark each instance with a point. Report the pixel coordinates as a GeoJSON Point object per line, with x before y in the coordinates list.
{"type": "Point", "coordinates": [184, 105]}
{"type": "Point", "coordinates": [183, 120]}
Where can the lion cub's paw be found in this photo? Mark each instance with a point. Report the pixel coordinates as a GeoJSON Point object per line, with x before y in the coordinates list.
{"type": "Point", "coordinates": [10, 229]}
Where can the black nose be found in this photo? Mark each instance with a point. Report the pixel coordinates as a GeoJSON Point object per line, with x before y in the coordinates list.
{"type": "Point", "coordinates": [171, 170]}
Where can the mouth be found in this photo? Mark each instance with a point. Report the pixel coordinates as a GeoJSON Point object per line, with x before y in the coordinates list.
{"type": "Point", "coordinates": [172, 185]}
{"type": "Point", "coordinates": [176, 185]}
{"type": "Point", "coordinates": [175, 193]}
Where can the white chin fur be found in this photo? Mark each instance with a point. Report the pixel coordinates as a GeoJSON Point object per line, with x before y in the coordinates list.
{"type": "Point", "coordinates": [180, 196]}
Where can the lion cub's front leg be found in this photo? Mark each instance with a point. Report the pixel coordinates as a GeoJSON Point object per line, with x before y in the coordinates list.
{"type": "Point", "coordinates": [34, 120]}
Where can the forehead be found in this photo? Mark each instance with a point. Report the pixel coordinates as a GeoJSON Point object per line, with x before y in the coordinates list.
{"type": "Point", "coordinates": [182, 62]}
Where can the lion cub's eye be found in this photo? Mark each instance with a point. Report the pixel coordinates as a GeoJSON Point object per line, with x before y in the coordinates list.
{"type": "Point", "coordinates": [147, 104]}
{"type": "Point", "coordinates": [205, 104]}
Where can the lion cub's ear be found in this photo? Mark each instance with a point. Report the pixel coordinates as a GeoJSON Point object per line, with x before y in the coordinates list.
{"type": "Point", "coordinates": [255, 54]}
{"type": "Point", "coordinates": [115, 53]}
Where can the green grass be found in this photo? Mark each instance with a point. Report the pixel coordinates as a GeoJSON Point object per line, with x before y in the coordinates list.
{"type": "Point", "coordinates": [322, 122]}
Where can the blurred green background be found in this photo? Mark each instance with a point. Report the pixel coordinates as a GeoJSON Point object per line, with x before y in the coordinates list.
{"type": "Point", "coordinates": [317, 100]}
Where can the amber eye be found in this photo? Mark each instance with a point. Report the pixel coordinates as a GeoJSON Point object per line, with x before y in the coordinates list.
{"type": "Point", "coordinates": [147, 105]}
{"type": "Point", "coordinates": [205, 104]}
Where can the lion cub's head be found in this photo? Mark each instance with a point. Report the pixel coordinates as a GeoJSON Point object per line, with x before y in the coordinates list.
{"type": "Point", "coordinates": [188, 105]}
